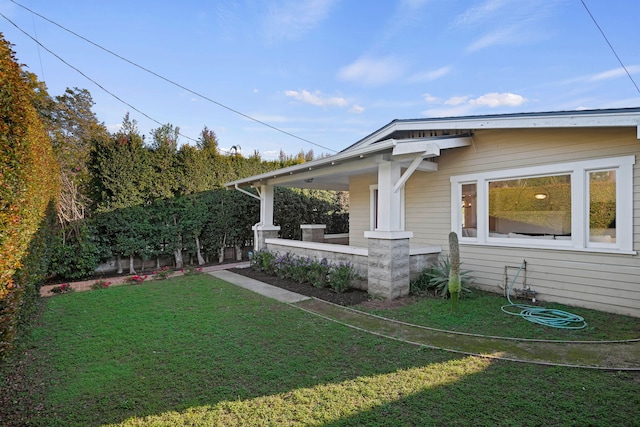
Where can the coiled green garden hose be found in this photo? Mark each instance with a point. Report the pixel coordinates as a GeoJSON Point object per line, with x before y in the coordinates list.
{"type": "Point", "coordinates": [543, 316]}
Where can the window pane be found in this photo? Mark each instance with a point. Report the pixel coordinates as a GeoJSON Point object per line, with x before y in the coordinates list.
{"type": "Point", "coordinates": [469, 206]}
{"type": "Point", "coordinates": [535, 208]}
{"type": "Point", "coordinates": [375, 209]}
{"type": "Point", "coordinates": [602, 206]}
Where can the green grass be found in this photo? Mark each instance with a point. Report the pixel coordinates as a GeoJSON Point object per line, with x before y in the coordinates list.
{"type": "Point", "coordinates": [200, 352]}
{"type": "Point", "coordinates": [480, 313]}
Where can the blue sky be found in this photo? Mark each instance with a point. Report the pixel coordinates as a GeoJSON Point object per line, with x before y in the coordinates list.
{"type": "Point", "coordinates": [330, 71]}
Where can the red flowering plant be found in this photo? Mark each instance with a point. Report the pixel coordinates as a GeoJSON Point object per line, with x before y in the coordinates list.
{"type": "Point", "coordinates": [137, 279]}
{"type": "Point", "coordinates": [100, 284]}
{"type": "Point", "coordinates": [62, 289]}
{"type": "Point", "coordinates": [162, 273]}
{"type": "Point", "coordinates": [190, 270]}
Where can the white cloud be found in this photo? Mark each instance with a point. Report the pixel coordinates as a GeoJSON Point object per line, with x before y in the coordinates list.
{"type": "Point", "coordinates": [316, 98]}
{"type": "Point", "coordinates": [615, 73]}
{"type": "Point", "coordinates": [430, 75]}
{"type": "Point", "coordinates": [373, 72]}
{"type": "Point", "coordinates": [357, 109]}
{"type": "Point", "coordinates": [463, 105]}
{"type": "Point", "coordinates": [507, 22]}
{"type": "Point", "coordinates": [476, 15]}
{"type": "Point", "coordinates": [495, 99]}
{"type": "Point", "coordinates": [430, 98]}
{"type": "Point", "coordinates": [495, 38]}
{"type": "Point", "coordinates": [456, 100]}
{"type": "Point", "coordinates": [291, 19]}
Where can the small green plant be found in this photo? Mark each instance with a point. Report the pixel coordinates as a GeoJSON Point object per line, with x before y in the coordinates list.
{"type": "Point", "coordinates": [137, 279]}
{"type": "Point", "coordinates": [317, 273]}
{"type": "Point", "coordinates": [435, 280]}
{"type": "Point", "coordinates": [262, 260]}
{"type": "Point", "coordinates": [62, 289]}
{"type": "Point", "coordinates": [282, 266]}
{"type": "Point", "coordinates": [100, 284]}
{"type": "Point", "coordinates": [162, 274]}
{"type": "Point", "coordinates": [341, 277]}
{"type": "Point", "coordinates": [190, 270]}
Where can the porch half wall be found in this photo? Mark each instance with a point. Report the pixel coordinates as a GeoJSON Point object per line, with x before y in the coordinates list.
{"type": "Point", "coordinates": [419, 258]}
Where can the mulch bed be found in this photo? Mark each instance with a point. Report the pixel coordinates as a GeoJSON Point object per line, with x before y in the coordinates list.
{"type": "Point", "coordinates": [351, 297]}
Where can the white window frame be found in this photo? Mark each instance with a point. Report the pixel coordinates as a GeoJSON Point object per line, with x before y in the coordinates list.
{"type": "Point", "coordinates": [579, 172]}
{"type": "Point", "coordinates": [373, 208]}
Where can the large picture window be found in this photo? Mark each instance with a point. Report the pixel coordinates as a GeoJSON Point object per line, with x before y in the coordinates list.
{"type": "Point", "coordinates": [534, 207]}
{"type": "Point", "coordinates": [584, 205]}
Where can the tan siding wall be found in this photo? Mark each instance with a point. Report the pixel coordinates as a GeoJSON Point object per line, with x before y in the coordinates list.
{"type": "Point", "coordinates": [359, 205]}
{"type": "Point", "coordinates": [608, 282]}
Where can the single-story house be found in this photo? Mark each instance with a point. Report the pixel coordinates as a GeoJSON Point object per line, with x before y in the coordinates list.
{"type": "Point", "coordinates": [559, 190]}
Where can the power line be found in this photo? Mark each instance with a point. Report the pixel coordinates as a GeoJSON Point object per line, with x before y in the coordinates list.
{"type": "Point", "coordinates": [610, 46]}
{"type": "Point", "coordinates": [173, 82]}
{"type": "Point", "coordinates": [87, 77]}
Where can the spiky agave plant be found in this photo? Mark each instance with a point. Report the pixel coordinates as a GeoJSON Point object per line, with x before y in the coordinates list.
{"type": "Point", "coordinates": [455, 284]}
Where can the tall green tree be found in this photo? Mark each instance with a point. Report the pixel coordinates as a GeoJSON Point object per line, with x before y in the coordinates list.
{"type": "Point", "coordinates": [121, 174]}
{"type": "Point", "coordinates": [164, 162]}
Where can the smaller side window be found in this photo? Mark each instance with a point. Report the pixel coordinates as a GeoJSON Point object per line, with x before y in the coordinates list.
{"type": "Point", "coordinates": [373, 209]}
{"type": "Point", "coordinates": [602, 207]}
{"type": "Point", "coordinates": [469, 213]}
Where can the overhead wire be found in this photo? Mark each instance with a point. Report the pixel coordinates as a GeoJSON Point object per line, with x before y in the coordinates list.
{"type": "Point", "coordinates": [206, 98]}
{"type": "Point", "coordinates": [89, 78]}
{"type": "Point", "coordinates": [610, 45]}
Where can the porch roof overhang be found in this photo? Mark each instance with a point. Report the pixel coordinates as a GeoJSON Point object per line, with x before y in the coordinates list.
{"type": "Point", "coordinates": [333, 172]}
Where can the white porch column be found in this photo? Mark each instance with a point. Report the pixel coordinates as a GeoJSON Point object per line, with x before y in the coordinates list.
{"type": "Point", "coordinates": [389, 202]}
{"type": "Point", "coordinates": [265, 228]}
{"type": "Point", "coordinates": [389, 258]}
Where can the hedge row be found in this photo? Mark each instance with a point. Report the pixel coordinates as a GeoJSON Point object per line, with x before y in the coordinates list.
{"type": "Point", "coordinates": [29, 184]}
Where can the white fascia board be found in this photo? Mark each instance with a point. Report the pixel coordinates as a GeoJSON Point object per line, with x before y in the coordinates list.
{"type": "Point", "coordinates": [525, 121]}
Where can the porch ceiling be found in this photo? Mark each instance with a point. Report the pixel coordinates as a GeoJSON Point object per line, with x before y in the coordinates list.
{"type": "Point", "coordinates": [332, 173]}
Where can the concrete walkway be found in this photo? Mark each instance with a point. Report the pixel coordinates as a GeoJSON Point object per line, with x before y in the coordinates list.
{"type": "Point", "coordinates": [259, 287]}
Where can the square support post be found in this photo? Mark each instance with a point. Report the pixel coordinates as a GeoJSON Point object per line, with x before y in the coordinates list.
{"type": "Point", "coordinates": [265, 229]}
{"type": "Point", "coordinates": [313, 232]}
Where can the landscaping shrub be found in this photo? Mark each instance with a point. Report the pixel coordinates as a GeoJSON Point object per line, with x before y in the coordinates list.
{"type": "Point", "coordinates": [318, 272]}
{"type": "Point", "coordinates": [62, 289]}
{"type": "Point", "coordinates": [339, 277]}
{"type": "Point", "coordinates": [262, 260]}
{"type": "Point", "coordinates": [435, 279]}
{"type": "Point", "coordinates": [162, 274]}
{"type": "Point", "coordinates": [100, 284]}
{"type": "Point", "coordinates": [190, 270]}
{"type": "Point", "coordinates": [74, 257]}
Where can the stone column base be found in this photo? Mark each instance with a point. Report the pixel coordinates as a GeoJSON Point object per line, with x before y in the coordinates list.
{"type": "Point", "coordinates": [389, 264]}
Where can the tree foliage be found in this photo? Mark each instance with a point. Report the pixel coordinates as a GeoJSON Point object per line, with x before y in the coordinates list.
{"type": "Point", "coordinates": [29, 185]}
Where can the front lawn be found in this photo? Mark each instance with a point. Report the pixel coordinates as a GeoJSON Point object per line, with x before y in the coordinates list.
{"type": "Point", "coordinates": [197, 351]}
{"type": "Point", "coordinates": [480, 313]}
